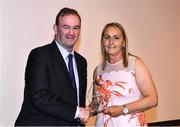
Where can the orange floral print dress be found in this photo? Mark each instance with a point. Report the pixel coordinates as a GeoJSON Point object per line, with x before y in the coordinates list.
{"type": "Point", "coordinates": [117, 86]}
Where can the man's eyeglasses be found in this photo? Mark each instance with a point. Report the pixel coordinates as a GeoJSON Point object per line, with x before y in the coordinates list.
{"type": "Point", "coordinates": [67, 27]}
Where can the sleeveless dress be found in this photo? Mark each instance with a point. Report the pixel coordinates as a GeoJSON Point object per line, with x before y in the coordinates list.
{"type": "Point", "coordinates": [117, 86]}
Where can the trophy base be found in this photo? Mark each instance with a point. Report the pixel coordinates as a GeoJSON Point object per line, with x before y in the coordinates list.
{"type": "Point", "coordinates": [94, 113]}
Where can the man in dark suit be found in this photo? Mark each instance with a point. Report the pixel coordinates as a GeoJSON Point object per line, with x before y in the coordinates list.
{"type": "Point", "coordinates": [55, 84]}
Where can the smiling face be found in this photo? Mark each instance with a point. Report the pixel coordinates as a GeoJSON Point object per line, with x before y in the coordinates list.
{"type": "Point", "coordinates": [112, 41]}
{"type": "Point", "coordinates": [68, 30]}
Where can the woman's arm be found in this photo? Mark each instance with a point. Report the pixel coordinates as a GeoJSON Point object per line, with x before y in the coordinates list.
{"type": "Point", "coordinates": [147, 88]}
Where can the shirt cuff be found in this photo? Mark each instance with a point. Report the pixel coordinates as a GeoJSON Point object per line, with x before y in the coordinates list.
{"type": "Point", "coordinates": [77, 113]}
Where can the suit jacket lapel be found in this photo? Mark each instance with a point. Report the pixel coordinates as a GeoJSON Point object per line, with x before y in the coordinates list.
{"type": "Point", "coordinates": [59, 59]}
{"type": "Point", "coordinates": [78, 62]}
{"type": "Point", "coordinates": [62, 65]}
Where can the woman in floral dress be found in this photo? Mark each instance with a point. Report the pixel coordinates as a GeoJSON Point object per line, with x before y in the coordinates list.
{"type": "Point", "coordinates": [123, 86]}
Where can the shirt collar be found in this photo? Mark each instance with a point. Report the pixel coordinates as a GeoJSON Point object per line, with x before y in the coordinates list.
{"type": "Point", "coordinates": [63, 51]}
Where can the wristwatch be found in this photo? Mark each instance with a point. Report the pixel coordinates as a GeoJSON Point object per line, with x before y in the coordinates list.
{"type": "Point", "coordinates": [125, 110]}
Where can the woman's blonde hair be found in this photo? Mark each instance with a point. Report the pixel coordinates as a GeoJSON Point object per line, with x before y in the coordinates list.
{"type": "Point", "coordinates": [125, 52]}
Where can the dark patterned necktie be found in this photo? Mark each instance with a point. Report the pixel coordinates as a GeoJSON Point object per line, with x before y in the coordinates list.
{"type": "Point", "coordinates": [71, 74]}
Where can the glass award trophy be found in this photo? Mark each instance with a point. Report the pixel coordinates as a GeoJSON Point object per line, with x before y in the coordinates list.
{"type": "Point", "coordinates": [97, 102]}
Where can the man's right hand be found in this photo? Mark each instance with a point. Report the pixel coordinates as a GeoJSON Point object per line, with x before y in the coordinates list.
{"type": "Point", "coordinates": [84, 115]}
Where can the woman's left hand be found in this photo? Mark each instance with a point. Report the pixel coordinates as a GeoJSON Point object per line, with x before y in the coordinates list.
{"type": "Point", "coordinates": [113, 111]}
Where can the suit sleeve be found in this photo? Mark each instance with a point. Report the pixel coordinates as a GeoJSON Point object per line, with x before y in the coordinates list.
{"type": "Point", "coordinates": [36, 80]}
